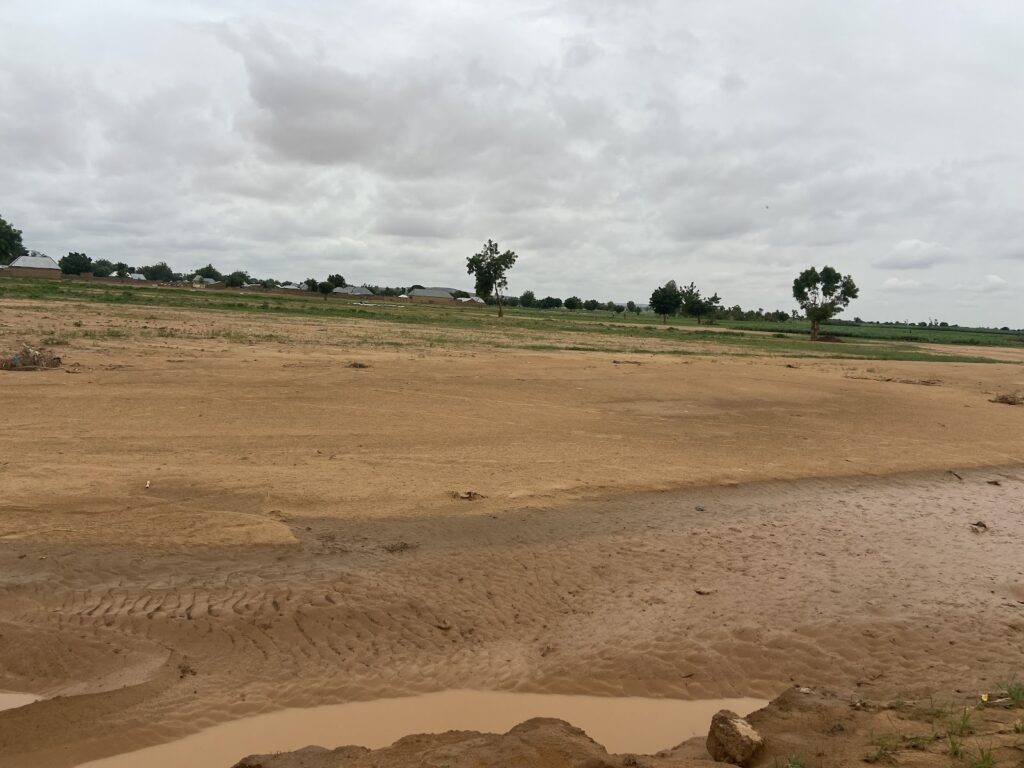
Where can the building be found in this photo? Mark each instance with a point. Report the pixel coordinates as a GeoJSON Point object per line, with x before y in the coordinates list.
{"type": "Point", "coordinates": [34, 264]}
{"type": "Point", "coordinates": [353, 290]}
{"type": "Point", "coordinates": [430, 293]}
{"type": "Point", "coordinates": [136, 276]}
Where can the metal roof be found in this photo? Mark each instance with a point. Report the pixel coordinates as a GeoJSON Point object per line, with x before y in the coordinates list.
{"type": "Point", "coordinates": [354, 290]}
{"type": "Point", "coordinates": [35, 261]}
{"type": "Point", "coordinates": [431, 293]}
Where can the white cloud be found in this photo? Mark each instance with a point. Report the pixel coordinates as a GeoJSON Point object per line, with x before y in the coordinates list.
{"type": "Point", "coordinates": [613, 144]}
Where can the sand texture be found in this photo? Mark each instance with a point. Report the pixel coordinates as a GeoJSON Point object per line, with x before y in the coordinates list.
{"type": "Point", "coordinates": [463, 517]}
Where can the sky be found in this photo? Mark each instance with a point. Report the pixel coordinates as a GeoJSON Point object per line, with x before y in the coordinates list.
{"type": "Point", "coordinates": [613, 144]}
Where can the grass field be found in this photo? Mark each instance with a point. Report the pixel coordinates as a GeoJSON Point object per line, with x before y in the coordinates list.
{"type": "Point", "coordinates": [532, 328]}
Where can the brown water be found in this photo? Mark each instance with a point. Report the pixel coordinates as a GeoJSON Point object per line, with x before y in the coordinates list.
{"type": "Point", "coordinates": [635, 725]}
{"type": "Point", "coordinates": [12, 700]}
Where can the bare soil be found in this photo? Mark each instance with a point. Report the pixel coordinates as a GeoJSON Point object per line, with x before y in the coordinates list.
{"type": "Point", "coordinates": [194, 529]}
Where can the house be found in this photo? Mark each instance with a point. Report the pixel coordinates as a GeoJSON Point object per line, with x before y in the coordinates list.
{"type": "Point", "coordinates": [471, 300]}
{"type": "Point", "coordinates": [34, 264]}
{"type": "Point", "coordinates": [430, 293]}
{"type": "Point", "coordinates": [200, 282]}
{"type": "Point", "coordinates": [353, 290]}
{"type": "Point", "coordinates": [136, 276]}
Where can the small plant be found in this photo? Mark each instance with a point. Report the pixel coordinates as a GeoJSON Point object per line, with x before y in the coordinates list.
{"type": "Point", "coordinates": [77, 323]}
{"type": "Point", "coordinates": [984, 759]}
{"type": "Point", "coordinates": [1014, 689]}
{"type": "Point", "coordinates": [961, 726]}
{"type": "Point", "coordinates": [956, 747]}
{"type": "Point", "coordinates": [885, 751]}
{"type": "Point", "coordinates": [796, 761]}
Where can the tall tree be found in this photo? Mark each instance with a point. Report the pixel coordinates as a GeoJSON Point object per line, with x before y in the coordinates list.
{"type": "Point", "coordinates": [573, 303]}
{"type": "Point", "coordinates": [528, 299]}
{"type": "Point", "coordinates": [236, 279]}
{"type": "Point", "coordinates": [823, 295]}
{"type": "Point", "coordinates": [159, 272]}
{"type": "Point", "coordinates": [326, 288]}
{"type": "Point", "coordinates": [102, 268]}
{"type": "Point", "coordinates": [490, 268]}
{"type": "Point", "coordinates": [10, 243]}
{"type": "Point", "coordinates": [666, 300]}
{"type": "Point", "coordinates": [121, 269]}
{"type": "Point", "coordinates": [209, 271]}
{"type": "Point", "coordinates": [337, 281]}
{"type": "Point", "coordinates": [696, 305]}
{"type": "Point", "coordinates": [75, 263]}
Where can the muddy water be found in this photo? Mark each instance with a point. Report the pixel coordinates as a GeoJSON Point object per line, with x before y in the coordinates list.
{"type": "Point", "coordinates": [12, 700]}
{"type": "Point", "coordinates": [621, 724]}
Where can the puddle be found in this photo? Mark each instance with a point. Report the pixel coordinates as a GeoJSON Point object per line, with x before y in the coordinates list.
{"type": "Point", "coordinates": [12, 700]}
{"type": "Point", "coordinates": [621, 724]}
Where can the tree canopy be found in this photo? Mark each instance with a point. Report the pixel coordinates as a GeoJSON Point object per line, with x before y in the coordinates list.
{"type": "Point", "coordinates": [667, 300]}
{"type": "Point", "coordinates": [823, 295]}
{"type": "Point", "coordinates": [209, 271]}
{"type": "Point", "coordinates": [490, 268]}
{"type": "Point", "coordinates": [75, 263]}
{"type": "Point", "coordinates": [337, 281]}
{"type": "Point", "coordinates": [10, 243]}
{"type": "Point", "coordinates": [573, 303]}
{"type": "Point", "coordinates": [159, 272]}
{"type": "Point", "coordinates": [326, 288]}
{"type": "Point", "coordinates": [696, 305]}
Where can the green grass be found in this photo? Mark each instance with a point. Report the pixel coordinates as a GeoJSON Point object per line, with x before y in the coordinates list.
{"type": "Point", "coordinates": [955, 747]}
{"type": "Point", "coordinates": [984, 759]}
{"type": "Point", "coordinates": [522, 328]}
{"type": "Point", "coordinates": [1014, 690]}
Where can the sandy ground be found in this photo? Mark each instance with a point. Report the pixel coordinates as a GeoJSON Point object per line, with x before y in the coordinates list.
{"type": "Point", "coordinates": [299, 542]}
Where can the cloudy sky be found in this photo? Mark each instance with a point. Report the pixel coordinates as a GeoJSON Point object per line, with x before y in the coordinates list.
{"type": "Point", "coordinates": [614, 144]}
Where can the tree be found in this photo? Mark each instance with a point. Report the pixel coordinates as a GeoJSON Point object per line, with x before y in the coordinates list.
{"type": "Point", "coordinates": [619, 309]}
{"type": "Point", "coordinates": [666, 300]}
{"type": "Point", "coordinates": [10, 243]}
{"type": "Point", "coordinates": [102, 268]}
{"type": "Point", "coordinates": [527, 299]}
{"type": "Point", "coordinates": [121, 269]}
{"type": "Point", "coordinates": [631, 306]}
{"type": "Point", "coordinates": [573, 303]}
{"type": "Point", "coordinates": [326, 288]}
{"type": "Point", "coordinates": [550, 302]}
{"type": "Point", "coordinates": [236, 279]}
{"type": "Point", "coordinates": [696, 305]}
{"type": "Point", "coordinates": [159, 272]}
{"type": "Point", "coordinates": [337, 281]}
{"type": "Point", "coordinates": [489, 267]}
{"type": "Point", "coordinates": [209, 271]}
{"type": "Point", "coordinates": [823, 295]}
{"type": "Point", "coordinates": [591, 304]}
{"type": "Point", "coordinates": [75, 263]}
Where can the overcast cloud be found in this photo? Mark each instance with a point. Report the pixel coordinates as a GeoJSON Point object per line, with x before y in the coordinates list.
{"type": "Point", "coordinates": [612, 144]}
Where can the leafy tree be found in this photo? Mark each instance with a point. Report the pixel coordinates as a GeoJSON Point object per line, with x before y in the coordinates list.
{"type": "Point", "coordinates": [619, 309]}
{"type": "Point", "coordinates": [696, 305]}
{"type": "Point", "coordinates": [611, 306]}
{"type": "Point", "coordinates": [550, 302]}
{"type": "Point", "coordinates": [666, 300]}
{"type": "Point", "coordinates": [159, 272]}
{"type": "Point", "coordinates": [121, 269]}
{"type": "Point", "coordinates": [75, 263]}
{"type": "Point", "coordinates": [822, 295]}
{"type": "Point", "coordinates": [102, 268]}
{"type": "Point", "coordinates": [326, 288]}
{"type": "Point", "coordinates": [527, 299]}
{"type": "Point", "coordinates": [236, 279]}
{"type": "Point", "coordinates": [490, 268]}
{"type": "Point", "coordinates": [591, 304]}
{"type": "Point", "coordinates": [631, 306]}
{"type": "Point", "coordinates": [573, 303]}
{"type": "Point", "coordinates": [460, 295]}
{"type": "Point", "coordinates": [209, 271]}
{"type": "Point", "coordinates": [337, 281]}
{"type": "Point", "coordinates": [10, 243]}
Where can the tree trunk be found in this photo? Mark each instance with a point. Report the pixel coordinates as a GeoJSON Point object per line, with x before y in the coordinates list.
{"type": "Point", "coordinates": [497, 295]}
{"type": "Point", "coordinates": [815, 329]}
{"type": "Point", "coordinates": [664, 319]}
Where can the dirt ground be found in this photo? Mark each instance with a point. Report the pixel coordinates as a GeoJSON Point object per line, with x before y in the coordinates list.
{"type": "Point", "coordinates": [199, 526]}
